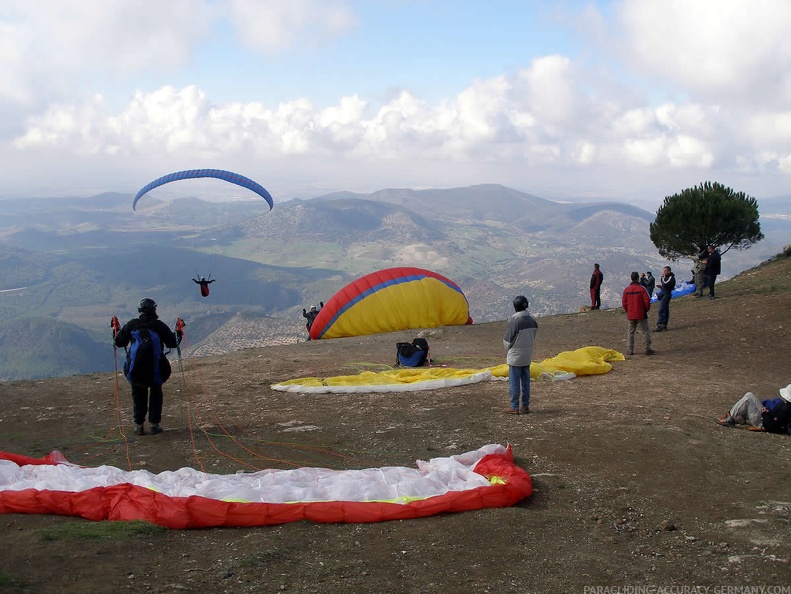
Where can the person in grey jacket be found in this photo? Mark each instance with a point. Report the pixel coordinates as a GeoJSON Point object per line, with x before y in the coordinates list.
{"type": "Point", "coordinates": [518, 343]}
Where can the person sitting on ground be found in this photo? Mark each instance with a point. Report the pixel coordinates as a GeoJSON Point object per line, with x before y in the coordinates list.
{"type": "Point", "coordinates": [772, 415]}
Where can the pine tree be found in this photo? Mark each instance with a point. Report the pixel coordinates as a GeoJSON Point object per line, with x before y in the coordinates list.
{"type": "Point", "coordinates": [707, 214]}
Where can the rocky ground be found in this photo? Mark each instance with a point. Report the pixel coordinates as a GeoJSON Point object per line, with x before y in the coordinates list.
{"type": "Point", "coordinates": [635, 483]}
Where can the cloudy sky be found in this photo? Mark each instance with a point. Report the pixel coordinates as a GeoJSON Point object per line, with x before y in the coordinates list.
{"type": "Point", "coordinates": [627, 99]}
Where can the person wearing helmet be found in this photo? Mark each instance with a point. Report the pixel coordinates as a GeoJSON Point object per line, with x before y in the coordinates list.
{"type": "Point", "coordinates": [144, 332]}
{"type": "Point", "coordinates": [311, 315]}
{"type": "Point", "coordinates": [518, 342]}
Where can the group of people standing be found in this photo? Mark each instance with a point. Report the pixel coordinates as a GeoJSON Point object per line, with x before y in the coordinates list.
{"type": "Point", "coordinates": [636, 301]}
{"type": "Point", "coordinates": [707, 269]}
{"type": "Point", "coordinates": [636, 305]}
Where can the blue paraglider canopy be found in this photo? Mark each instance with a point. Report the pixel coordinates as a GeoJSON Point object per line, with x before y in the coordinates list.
{"type": "Point", "coordinates": [228, 176]}
{"type": "Point", "coordinates": [684, 288]}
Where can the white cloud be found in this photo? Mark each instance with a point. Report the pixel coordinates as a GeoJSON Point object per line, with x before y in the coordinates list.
{"type": "Point", "coordinates": [728, 51]}
{"type": "Point", "coordinates": [49, 46]}
{"type": "Point", "coordinates": [567, 118]}
{"type": "Point", "coordinates": [488, 121]}
{"type": "Point", "coordinates": [276, 25]}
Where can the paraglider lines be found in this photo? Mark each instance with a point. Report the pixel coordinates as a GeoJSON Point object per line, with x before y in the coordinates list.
{"type": "Point", "coordinates": [193, 408]}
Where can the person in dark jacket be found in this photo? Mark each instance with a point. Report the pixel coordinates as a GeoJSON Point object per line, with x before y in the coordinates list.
{"type": "Point", "coordinates": [772, 415]}
{"type": "Point", "coordinates": [311, 315]}
{"type": "Point", "coordinates": [713, 268]}
{"type": "Point", "coordinates": [204, 284]}
{"type": "Point", "coordinates": [147, 392]}
{"type": "Point", "coordinates": [649, 282]}
{"type": "Point", "coordinates": [518, 342]}
{"type": "Point", "coordinates": [636, 302]}
{"type": "Point", "coordinates": [667, 282]}
{"type": "Point", "coordinates": [596, 280]}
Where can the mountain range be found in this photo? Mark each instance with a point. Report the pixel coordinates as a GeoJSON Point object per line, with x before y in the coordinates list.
{"type": "Point", "coordinates": [67, 265]}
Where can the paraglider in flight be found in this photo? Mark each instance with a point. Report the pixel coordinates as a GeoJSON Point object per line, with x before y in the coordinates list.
{"type": "Point", "coordinates": [204, 284]}
{"type": "Point", "coordinates": [228, 176]}
{"type": "Point", "coordinates": [390, 300]}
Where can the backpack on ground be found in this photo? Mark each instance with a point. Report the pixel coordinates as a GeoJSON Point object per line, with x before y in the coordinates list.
{"type": "Point", "coordinates": [412, 354]}
{"type": "Point", "coordinates": [146, 364]}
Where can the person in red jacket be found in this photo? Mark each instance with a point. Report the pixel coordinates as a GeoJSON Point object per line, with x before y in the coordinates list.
{"type": "Point", "coordinates": [636, 303]}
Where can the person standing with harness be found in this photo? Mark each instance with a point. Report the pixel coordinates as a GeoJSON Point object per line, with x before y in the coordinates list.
{"type": "Point", "coordinates": [146, 366]}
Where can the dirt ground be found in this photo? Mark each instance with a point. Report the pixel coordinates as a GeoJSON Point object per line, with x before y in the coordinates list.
{"type": "Point", "coordinates": [636, 486]}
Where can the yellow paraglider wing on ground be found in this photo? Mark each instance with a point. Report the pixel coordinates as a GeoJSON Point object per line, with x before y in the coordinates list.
{"type": "Point", "coordinates": [590, 360]}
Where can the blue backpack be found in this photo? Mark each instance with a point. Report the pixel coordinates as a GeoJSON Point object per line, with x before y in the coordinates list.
{"type": "Point", "coordinates": [412, 354]}
{"type": "Point", "coordinates": [146, 364]}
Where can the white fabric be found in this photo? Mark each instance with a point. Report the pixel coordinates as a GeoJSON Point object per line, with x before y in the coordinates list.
{"type": "Point", "coordinates": [395, 484]}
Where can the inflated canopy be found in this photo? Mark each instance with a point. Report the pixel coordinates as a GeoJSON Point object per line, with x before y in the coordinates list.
{"type": "Point", "coordinates": [228, 176]}
{"type": "Point", "coordinates": [391, 300]}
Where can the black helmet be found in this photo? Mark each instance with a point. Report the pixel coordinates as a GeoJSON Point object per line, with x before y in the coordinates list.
{"type": "Point", "coordinates": [520, 303]}
{"type": "Point", "coordinates": [147, 305]}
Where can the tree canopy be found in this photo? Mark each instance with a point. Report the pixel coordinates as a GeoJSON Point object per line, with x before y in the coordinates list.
{"type": "Point", "coordinates": [707, 214]}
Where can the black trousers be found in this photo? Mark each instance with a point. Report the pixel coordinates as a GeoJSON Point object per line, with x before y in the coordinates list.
{"type": "Point", "coordinates": [142, 403]}
{"type": "Point", "coordinates": [712, 278]}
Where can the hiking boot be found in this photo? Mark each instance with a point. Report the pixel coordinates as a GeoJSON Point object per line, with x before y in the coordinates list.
{"type": "Point", "coordinates": [727, 421]}
{"type": "Point", "coordinates": [139, 430]}
{"type": "Point", "coordinates": [658, 328]}
{"type": "Point", "coordinates": [525, 410]}
{"type": "Point", "coordinates": [156, 428]}
{"type": "Point", "coordinates": [630, 353]}
{"type": "Point", "coordinates": [511, 411]}
{"type": "Point", "coordinates": [649, 351]}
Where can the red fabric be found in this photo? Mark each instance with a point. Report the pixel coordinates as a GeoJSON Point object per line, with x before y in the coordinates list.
{"type": "Point", "coordinates": [129, 502]}
{"type": "Point", "coordinates": [636, 302]}
{"type": "Point", "coordinates": [367, 284]}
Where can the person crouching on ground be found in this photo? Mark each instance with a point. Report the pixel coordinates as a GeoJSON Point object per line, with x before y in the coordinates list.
{"type": "Point", "coordinates": [518, 343]}
{"type": "Point", "coordinates": [772, 415]}
{"type": "Point", "coordinates": [636, 302]}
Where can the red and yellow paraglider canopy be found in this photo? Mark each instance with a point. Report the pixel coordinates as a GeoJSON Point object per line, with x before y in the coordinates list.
{"type": "Point", "coordinates": [390, 300]}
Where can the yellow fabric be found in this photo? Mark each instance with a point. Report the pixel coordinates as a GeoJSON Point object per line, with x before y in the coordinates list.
{"type": "Point", "coordinates": [420, 303]}
{"type": "Point", "coordinates": [589, 360]}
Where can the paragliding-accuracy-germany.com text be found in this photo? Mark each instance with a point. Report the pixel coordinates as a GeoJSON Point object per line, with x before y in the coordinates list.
{"type": "Point", "coordinates": [679, 589]}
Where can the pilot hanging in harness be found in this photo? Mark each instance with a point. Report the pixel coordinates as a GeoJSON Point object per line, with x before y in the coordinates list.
{"type": "Point", "coordinates": [204, 284]}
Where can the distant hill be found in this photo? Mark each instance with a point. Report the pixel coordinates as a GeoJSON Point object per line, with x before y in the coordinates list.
{"type": "Point", "coordinates": [36, 348]}
{"type": "Point", "coordinates": [82, 260]}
